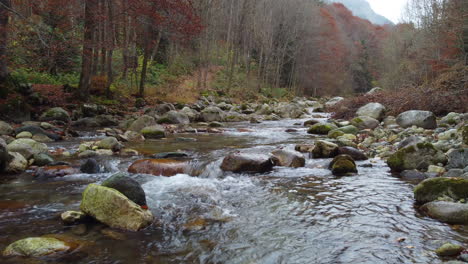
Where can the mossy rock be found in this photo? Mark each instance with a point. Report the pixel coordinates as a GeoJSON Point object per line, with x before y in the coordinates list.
{"type": "Point", "coordinates": [418, 156]}
{"type": "Point", "coordinates": [343, 165]}
{"type": "Point", "coordinates": [349, 129]}
{"type": "Point", "coordinates": [335, 133]}
{"type": "Point", "coordinates": [449, 249]}
{"type": "Point", "coordinates": [464, 133]}
{"type": "Point", "coordinates": [153, 132]}
{"type": "Point", "coordinates": [432, 189]}
{"type": "Point", "coordinates": [35, 247]}
{"type": "Point", "coordinates": [321, 129]}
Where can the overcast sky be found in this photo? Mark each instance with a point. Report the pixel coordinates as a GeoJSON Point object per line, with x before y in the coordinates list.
{"type": "Point", "coordinates": [391, 9]}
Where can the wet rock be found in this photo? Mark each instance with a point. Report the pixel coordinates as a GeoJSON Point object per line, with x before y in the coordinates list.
{"type": "Point", "coordinates": [56, 113]}
{"type": "Point", "coordinates": [27, 147]}
{"type": "Point", "coordinates": [215, 124]}
{"type": "Point", "coordinates": [432, 189]}
{"type": "Point", "coordinates": [110, 143]}
{"type": "Point", "coordinates": [321, 129]}
{"type": "Point", "coordinates": [55, 171]}
{"type": "Point", "coordinates": [159, 167]}
{"type": "Point", "coordinates": [42, 138]}
{"type": "Point", "coordinates": [72, 217]}
{"type": "Point", "coordinates": [35, 247]}
{"type": "Point", "coordinates": [457, 158]}
{"type": "Point", "coordinates": [418, 156]}
{"type": "Point", "coordinates": [453, 173]}
{"type": "Point", "coordinates": [343, 165]}
{"type": "Point", "coordinates": [17, 163]}
{"type": "Point", "coordinates": [287, 158]}
{"type": "Point", "coordinates": [42, 159]}
{"type": "Point", "coordinates": [374, 110]}
{"type": "Point", "coordinates": [447, 212]}
{"type": "Point", "coordinates": [154, 132]}
{"type": "Point", "coordinates": [112, 208]}
{"type": "Point", "coordinates": [113, 234]}
{"type": "Point", "coordinates": [87, 154]}
{"type": "Point", "coordinates": [5, 128]}
{"type": "Point", "coordinates": [365, 122]}
{"type": "Point", "coordinates": [249, 163]}
{"type": "Point", "coordinates": [128, 187]}
{"type": "Point", "coordinates": [303, 148]}
{"type": "Point", "coordinates": [311, 122]}
{"type": "Point", "coordinates": [356, 154]}
{"type": "Point", "coordinates": [212, 113]}
{"type": "Point", "coordinates": [90, 166]}
{"type": "Point", "coordinates": [104, 152]}
{"type": "Point", "coordinates": [132, 136]}
{"type": "Point", "coordinates": [423, 119]}
{"type": "Point", "coordinates": [449, 249]}
{"type": "Point", "coordinates": [170, 155]}
{"type": "Point", "coordinates": [413, 175]}
{"type": "Point", "coordinates": [142, 122]}
{"type": "Point", "coordinates": [324, 149]}
{"type": "Point", "coordinates": [254, 120]}
{"type": "Point", "coordinates": [174, 117]}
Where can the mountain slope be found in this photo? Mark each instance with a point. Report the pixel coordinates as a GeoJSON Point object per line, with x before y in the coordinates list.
{"type": "Point", "coordinates": [362, 9]}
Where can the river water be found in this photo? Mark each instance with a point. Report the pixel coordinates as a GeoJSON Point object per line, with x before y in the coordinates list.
{"type": "Point", "coordinates": [303, 215]}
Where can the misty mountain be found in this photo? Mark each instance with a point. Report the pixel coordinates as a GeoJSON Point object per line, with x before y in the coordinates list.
{"type": "Point", "coordinates": [363, 9]}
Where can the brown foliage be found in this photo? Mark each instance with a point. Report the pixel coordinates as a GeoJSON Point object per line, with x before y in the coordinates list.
{"type": "Point", "coordinates": [448, 93]}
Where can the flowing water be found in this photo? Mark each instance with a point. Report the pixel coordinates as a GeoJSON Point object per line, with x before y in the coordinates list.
{"type": "Point", "coordinates": [303, 215]}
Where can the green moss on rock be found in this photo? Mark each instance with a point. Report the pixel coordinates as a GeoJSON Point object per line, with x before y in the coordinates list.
{"type": "Point", "coordinates": [321, 129]}
{"type": "Point", "coordinates": [418, 156]}
{"type": "Point", "coordinates": [35, 247]}
{"type": "Point", "coordinates": [432, 189]}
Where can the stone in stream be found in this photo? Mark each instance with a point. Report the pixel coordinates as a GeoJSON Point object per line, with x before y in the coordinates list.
{"type": "Point", "coordinates": [36, 247]}
{"type": "Point", "coordinates": [90, 166]}
{"type": "Point", "coordinates": [27, 147]}
{"type": "Point", "coordinates": [114, 209]}
{"type": "Point", "coordinates": [447, 212]}
{"type": "Point", "coordinates": [333, 101]}
{"type": "Point", "coordinates": [432, 189]}
{"type": "Point", "coordinates": [287, 158]}
{"type": "Point", "coordinates": [174, 117]}
{"type": "Point", "coordinates": [154, 132]}
{"type": "Point", "coordinates": [5, 128]}
{"type": "Point", "coordinates": [127, 186]}
{"type": "Point", "coordinates": [365, 122]}
{"type": "Point", "coordinates": [24, 134]}
{"type": "Point", "coordinates": [56, 113]}
{"type": "Point", "coordinates": [142, 122]}
{"type": "Point", "coordinates": [110, 143]}
{"type": "Point", "coordinates": [36, 130]}
{"type": "Point", "coordinates": [457, 158]}
{"type": "Point", "coordinates": [356, 154]}
{"type": "Point", "coordinates": [424, 119]}
{"type": "Point", "coordinates": [132, 136]}
{"type": "Point", "coordinates": [321, 128]}
{"type": "Point", "coordinates": [72, 217]}
{"type": "Point", "coordinates": [343, 165]}
{"type": "Point", "coordinates": [212, 113]}
{"type": "Point", "coordinates": [42, 159]}
{"type": "Point", "coordinates": [374, 110]}
{"type": "Point", "coordinates": [324, 150]}
{"type": "Point", "coordinates": [159, 167]}
{"type": "Point", "coordinates": [449, 249]}
{"type": "Point", "coordinates": [418, 156]}
{"type": "Point", "coordinates": [4, 156]}
{"type": "Point", "coordinates": [55, 171]}
{"type": "Point", "coordinates": [304, 148]}
{"type": "Point", "coordinates": [248, 163]}
{"type": "Point", "coordinates": [17, 163]}
{"type": "Point", "coordinates": [169, 155]}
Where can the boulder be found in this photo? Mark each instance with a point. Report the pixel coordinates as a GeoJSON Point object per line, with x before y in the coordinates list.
{"type": "Point", "coordinates": [90, 166]}
{"type": "Point", "coordinates": [154, 132]}
{"type": "Point", "coordinates": [449, 249]}
{"type": "Point", "coordinates": [35, 247]}
{"type": "Point", "coordinates": [5, 129]}
{"type": "Point", "coordinates": [192, 114]}
{"type": "Point", "coordinates": [159, 167]}
{"type": "Point", "coordinates": [42, 159]}
{"type": "Point", "coordinates": [418, 156]}
{"type": "Point", "coordinates": [457, 158]}
{"type": "Point", "coordinates": [17, 163]}
{"type": "Point", "coordinates": [132, 136]}
{"type": "Point", "coordinates": [365, 122]}
{"type": "Point", "coordinates": [248, 163]}
{"type": "Point", "coordinates": [432, 189]}
{"type": "Point", "coordinates": [290, 110]}
{"type": "Point", "coordinates": [410, 141]}
{"type": "Point", "coordinates": [110, 143]}
{"type": "Point", "coordinates": [164, 108]}
{"type": "Point", "coordinates": [42, 138]}
{"type": "Point", "coordinates": [321, 128]}
{"type": "Point", "coordinates": [212, 113]}
{"type": "Point", "coordinates": [374, 110]}
{"type": "Point", "coordinates": [324, 149]}
{"type": "Point", "coordinates": [311, 122]}
{"type": "Point", "coordinates": [343, 165]}
{"type": "Point", "coordinates": [35, 146]}
{"type": "Point", "coordinates": [333, 101]}
{"type": "Point", "coordinates": [287, 158]}
{"type": "Point", "coordinates": [174, 117]}
{"type": "Point", "coordinates": [128, 187]}
{"type": "Point", "coordinates": [114, 209]}
{"type": "Point", "coordinates": [72, 217]}
{"type": "Point", "coordinates": [356, 154]}
{"type": "Point", "coordinates": [142, 122]}
{"type": "Point", "coordinates": [56, 113]}
{"type": "Point", "coordinates": [92, 110]}
{"type": "Point", "coordinates": [24, 134]}
{"type": "Point", "coordinates": [304, 148]}
{"type": "Point", "coordinates": [424, 119]}
{"type": "Point", "coordinates": [170, 155]}
{"type": "Point", "coordinates": [447, 212]}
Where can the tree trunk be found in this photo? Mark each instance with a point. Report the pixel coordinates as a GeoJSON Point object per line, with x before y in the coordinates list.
{"type": "Point", "coordinates": [4, 16]}
{"type": "Point", "coordinates": [146, 58]}
{"type": "Point", "coordinates": [87, 56]}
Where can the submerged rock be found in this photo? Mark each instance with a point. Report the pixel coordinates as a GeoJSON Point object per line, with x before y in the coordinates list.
{"type": "Point", "coordinates": [170, 155]}
{"type": "Point", "coordinates": [112, 208]}
{"type": "Point", "coordinates": [288, 158]}
{"type": "Point", "coordinates": [432, 189]}
{"type": "Point", "coordinates": [110, 143]}
{"type": "Point", "coordinates": [418, 156]}
{"type": "Point", "coordinates": [343, 165]}
{"type": "Point", "coordinates": [42, 159]}
{"type": "Point", "coordinates": [127, 186]}
{"type": "Point", "coordinates": [159, 167]}
{"type": "Point", "coordinates": [447, 212]}
{"type": "Point", "coordinates": [90, 166]}
{"type": "Point", "coordinates": [35, 247]}
{"type": "Point", "coordinates": [249, 163]}
{"type": "Point", "coordinates": [424, 119]}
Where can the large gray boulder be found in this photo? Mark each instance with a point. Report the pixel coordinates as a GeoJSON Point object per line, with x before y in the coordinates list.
{"type": "Point", "coordinates": [333, 101]}
{"type": "Point", "coordinates": [212, 113]}
{"type": "Point", "coordinates": [424, 119]}
{"type": "Point", "coordinates": [192, 114]}
{"type": "Point", "coordinates": [365, 122]}
{"type": "Point", "coordinates": [419, 156]}
{"type": "Point", "coordinates": [56, 113]}
{"type": "Point", "coordinates": [374, 110]}
{"type": "Point", "coordinates": [287, 158]}
{"type": "Point", "coordinates": [447, 212]}
{"type": "Point", "coordinates": [457, 158]}
{"type": "Point", "coordinates": [174, 117]}
{"type": "Point", "coordinates": [142, 122]}
{"type": "Point", "coordinates": [289, 110]}
{"type": "Point", "coordinates": [27, 147]}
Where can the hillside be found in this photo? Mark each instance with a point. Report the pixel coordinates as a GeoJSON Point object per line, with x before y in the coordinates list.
{"type": "Point", "coordinates": [362, 9]}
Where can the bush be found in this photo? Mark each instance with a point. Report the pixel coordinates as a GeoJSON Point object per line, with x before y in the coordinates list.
{"type": "Point", "coordinates": [25, 75]}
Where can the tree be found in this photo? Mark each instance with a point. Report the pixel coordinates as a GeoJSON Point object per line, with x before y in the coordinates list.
{"type": "Point", "coordinates": [5, 7]}
{"type": "Point", "coordinates": [91, 7]}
